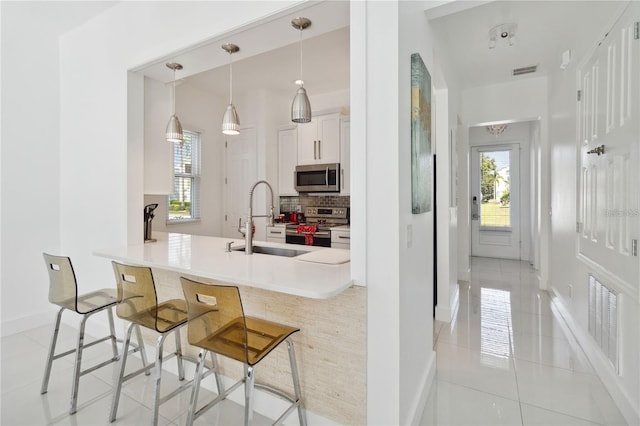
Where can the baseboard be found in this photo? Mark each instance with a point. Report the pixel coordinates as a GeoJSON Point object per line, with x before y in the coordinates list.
{"type": "Point", "coordinates": [417, 408]}
{"type": "Point", "coordinates": [627, 406]}
{"type": "Point", "coordinates": [446, 313]}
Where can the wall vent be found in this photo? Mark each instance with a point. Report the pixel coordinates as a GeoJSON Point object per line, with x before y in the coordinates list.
{"type": "Point", "coordinates": [603, 319]}
{"type": "Point", "coordinates": [525, 70]}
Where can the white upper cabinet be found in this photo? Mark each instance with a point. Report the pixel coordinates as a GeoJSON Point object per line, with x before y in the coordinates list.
{"type": "Point", "coordinates": [319, 140]}
{"type": "Point", "coordinates": [345, 156]}
{"type": "Point", "coordinates": [287, 160]}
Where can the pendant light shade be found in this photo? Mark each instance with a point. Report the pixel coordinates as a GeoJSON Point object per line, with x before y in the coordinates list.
{"type": "Point", "coordinates": [230, 120]}
{"type": "Point", "coordinates": [174, 128]}
{"type": "Point", "coordinates": [301, 107]}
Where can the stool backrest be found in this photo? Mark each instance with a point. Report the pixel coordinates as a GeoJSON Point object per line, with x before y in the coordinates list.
{"type": "Point", "coordinates": [216, 319]}
{"type": "Point", "coordinates": [137, 297]}
{"type": "Point", "coordinates": [63, 288]}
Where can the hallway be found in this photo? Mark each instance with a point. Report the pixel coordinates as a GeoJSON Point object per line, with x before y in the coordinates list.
{"type": "Point", "coordinates": [508, 358]}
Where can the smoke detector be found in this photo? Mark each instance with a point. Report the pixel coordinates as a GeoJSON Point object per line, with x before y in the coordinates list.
{"type": "Point", "coordinates": [503, 35]}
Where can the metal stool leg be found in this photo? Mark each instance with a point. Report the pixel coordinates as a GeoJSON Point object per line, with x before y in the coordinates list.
{"type": "Point", "coordinates": [302, 416]}
{"type": "Point", "coordinates": [122, 365]}
{"type": "Point", "coordinates": [179, 355]}
{"type": "Point", "coordinates": [112, 329]}
{"type": "Point", "coordinates": [155, 404]}
{"type": "Point", "coordinates": [143, 351]}
{"type": "Point", "coordinates": [248, 394]}
{"type": "Point", "coordinates": [52, 351]}
{"type": "Point", "coordinates": [77, 368]}
{"type": "Point", "coordinates": [216, 373]}
{"type": "Point", "coordinates": [195, 391]}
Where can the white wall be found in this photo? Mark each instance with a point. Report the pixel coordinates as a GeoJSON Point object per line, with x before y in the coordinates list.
{"type": "Point", "coordinates": [415, 232]}
{"type": "Point", "coordinates": [30, 157]}
{"type": "Point", "coordinates": [567, 271]}
{"type": "Point", "coordinates": [199, 111]}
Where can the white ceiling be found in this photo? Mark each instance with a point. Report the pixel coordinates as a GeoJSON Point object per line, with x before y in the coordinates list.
{"type": "Point", "coordinates": [545, 29]}
{"type": "Point", "coordinates": [269, 49]}
{"type": "Point", "coordinates": [269, 56]}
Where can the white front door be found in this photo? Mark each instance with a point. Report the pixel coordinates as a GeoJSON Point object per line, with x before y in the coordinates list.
{"type": "Point", "coordinates": [609, 138]}
{"type": "Point", "coordinates": [495, 201]}
{"type": "Point", "coordinates": [240, 169]}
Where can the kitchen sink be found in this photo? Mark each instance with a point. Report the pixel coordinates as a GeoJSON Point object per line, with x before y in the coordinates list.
{"type": "Point", "coordinates": [274, 251]}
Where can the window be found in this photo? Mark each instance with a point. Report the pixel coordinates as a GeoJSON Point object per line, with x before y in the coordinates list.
{"type": "Point", "coordinates": [183, 204]}
{"type": "Point", "coordinates": [495, 210]}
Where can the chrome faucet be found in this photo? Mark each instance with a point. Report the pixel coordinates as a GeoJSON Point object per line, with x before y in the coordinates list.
{"type": "Point", "coordinates": [248, 226]}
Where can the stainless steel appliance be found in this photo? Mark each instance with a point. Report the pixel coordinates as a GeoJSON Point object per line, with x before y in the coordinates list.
{"type": "Point", "coordinates": [317, 178]}
{"type": "Point", "coordinates": [323, 218]}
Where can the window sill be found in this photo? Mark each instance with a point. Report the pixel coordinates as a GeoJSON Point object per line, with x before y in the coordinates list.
{"type": "Point", "coordinates": [181, 221]}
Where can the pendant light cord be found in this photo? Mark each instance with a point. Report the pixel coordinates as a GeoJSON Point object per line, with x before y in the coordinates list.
{"type": "Point", "coordinates": [230, 80]}
{"type": "Point", "coordinates": [173, 94]}
{"type": "Point", "coordinates": [301, 79]}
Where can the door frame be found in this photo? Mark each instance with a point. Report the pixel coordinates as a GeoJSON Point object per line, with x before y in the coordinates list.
{"type": "Point", "coordinates": [516, 229]}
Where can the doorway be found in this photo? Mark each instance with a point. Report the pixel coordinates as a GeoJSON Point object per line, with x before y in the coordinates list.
{"type": "Point", "coordinates": [495, 201]}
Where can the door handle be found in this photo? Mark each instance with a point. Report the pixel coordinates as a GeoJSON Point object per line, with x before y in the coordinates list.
{"type": "Point", "coordinates": [342, 177]}
{"type": "Point", "coordinates": [326, 177]}
{"type": "Point", "coordinates": [315, 150]}
{"type": "Point", "coordinates": [474, 209]}
{"type": "Point", "coordinates": [319, 150]}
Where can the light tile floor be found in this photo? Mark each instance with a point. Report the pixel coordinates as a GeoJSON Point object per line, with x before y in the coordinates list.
{"type": "Point", "coordinates": [509, 359]}
{"type": "Point", "coordinates": [23, 359]}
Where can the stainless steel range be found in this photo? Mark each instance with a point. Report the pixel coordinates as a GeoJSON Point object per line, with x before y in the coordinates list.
{"type": "Point", "coordinates": [323, 218]}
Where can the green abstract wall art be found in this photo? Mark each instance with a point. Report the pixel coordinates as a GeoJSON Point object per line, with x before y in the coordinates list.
{"type": "Point", "coordinates": [421, 159]}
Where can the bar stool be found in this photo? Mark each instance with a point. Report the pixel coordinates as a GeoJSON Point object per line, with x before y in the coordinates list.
{"type": "Point", "coordinates": [63, 291]}
{"type": "Point", "coordinates": [217, 324]}
{"type": "Point", "coordinates": [139, 305]}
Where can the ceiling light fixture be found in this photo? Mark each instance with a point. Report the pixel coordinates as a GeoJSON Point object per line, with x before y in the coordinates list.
{"type": "Point", "coordinates": [301, 107]}
{"type": "Point", "coordinates": [502, 35]}
{"type": "Point", "coordinates": [174, 128]}
{"type": "Point", "coordinates": [230, 120]}
{"type": "Point", "coordinates": [496, 129]}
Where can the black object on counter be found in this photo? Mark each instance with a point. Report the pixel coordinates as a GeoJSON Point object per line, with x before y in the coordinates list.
{"type": "Point", "coordinates": [148, 217]}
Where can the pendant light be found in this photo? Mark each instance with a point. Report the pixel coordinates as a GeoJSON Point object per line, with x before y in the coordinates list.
{"type": "Point", "coordinates": [301, 107]}
{"type": "Point", "coordinates": [174, 128]}
{"type": "Point", "coordinates": [230, 120]}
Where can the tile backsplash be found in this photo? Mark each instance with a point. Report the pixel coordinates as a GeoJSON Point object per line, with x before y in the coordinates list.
{"type": "Point", "coordinates": [290, 204]}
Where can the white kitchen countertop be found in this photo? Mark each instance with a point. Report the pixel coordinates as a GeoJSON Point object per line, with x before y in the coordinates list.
{"type": "Point", "coordinates": [206, 257]}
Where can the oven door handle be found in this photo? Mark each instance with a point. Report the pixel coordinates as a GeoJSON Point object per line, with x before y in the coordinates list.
{"type": "Point", "coordinates": [315, 234]}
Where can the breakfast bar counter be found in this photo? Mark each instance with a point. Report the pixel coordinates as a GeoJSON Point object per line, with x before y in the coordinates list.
{"type": "Point", "coordinates": [312, 291]}
{"type": "Point", "coordinates": [328, 275]}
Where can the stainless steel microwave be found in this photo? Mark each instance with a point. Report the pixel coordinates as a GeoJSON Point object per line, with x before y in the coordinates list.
{"type": "Point", "coordinates": [317, 178]}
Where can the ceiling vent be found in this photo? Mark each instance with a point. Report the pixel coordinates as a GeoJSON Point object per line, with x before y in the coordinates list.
{"type": "Point", "coordinates": [525, 70]}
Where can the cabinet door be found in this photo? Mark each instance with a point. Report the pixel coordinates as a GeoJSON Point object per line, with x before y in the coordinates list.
{"type": "Point", "coordinates": [308, 142]}
{"type": "Point", "coordinates": [275, 234]}
{"type": "Point", "coordinates": [328, 138]}
{"type": "Point", "coordinates": [345, 157]}
{"type": "Point", "coordinates": [287, 160]}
